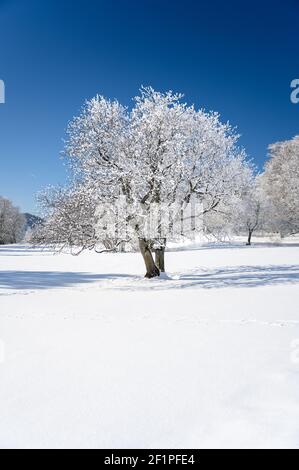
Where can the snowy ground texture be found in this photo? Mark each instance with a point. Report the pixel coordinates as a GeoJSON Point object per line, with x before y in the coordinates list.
{"type": "Point", "coordinates": [94, 356]}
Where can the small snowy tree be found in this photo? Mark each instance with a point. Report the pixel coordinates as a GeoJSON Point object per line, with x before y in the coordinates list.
{"type": "Point", "coordinates": [252, 209]}
{"type": "Point", "coordinates": [281, 185]}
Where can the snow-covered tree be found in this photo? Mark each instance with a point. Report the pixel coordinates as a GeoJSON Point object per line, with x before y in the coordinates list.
{"type": "Point", "coordinates": [11, 223]}
{"type": "Point", "coordinates": [71, 220]}
{"type": "Point", "coordinates": [281, 185]}
{"type": "Point", "coordinates": [162, 152]}
{"type": "Point", "coordinates": [252, 211]}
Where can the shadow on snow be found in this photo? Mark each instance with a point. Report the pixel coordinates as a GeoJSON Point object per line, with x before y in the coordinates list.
{"type": "Point", "coordinates": [234, 277]}
{"type": "Point", "coordinates": [241, 276]}
{"type": "Point", "coordinates": [237, 277]}
{"type": "Point", "coordinates": [23, 280]}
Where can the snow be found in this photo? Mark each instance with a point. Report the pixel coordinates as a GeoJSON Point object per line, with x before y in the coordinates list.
{"type": "Point", "coordinates": [94, 356]}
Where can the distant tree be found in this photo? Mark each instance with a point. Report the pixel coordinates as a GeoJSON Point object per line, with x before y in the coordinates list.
{"type": "Point", "coordinates": [252, 211]}
{"type": "Point", "coordinates": [281, 185]}
{"type": "Point", "coordinates": [11, 223]}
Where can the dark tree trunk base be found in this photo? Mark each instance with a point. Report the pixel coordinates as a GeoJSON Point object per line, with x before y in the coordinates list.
{"type": "Point", "coordinates": [152, 274]}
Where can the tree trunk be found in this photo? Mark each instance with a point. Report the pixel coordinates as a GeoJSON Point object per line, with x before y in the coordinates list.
{"type": "Point", "coordinates": [160, 255]}
{"type": "Point", "coordinates": [160, 259]}
{"type": "Point", "coordinates": [249, 237]}
{"type": "Point", "coordinates": [151, 268]}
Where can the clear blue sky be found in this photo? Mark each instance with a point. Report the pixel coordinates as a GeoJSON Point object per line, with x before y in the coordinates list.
{"type": "Point", "coordinates": [235, 57]}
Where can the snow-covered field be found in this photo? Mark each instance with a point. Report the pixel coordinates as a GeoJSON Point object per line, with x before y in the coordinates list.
{"type": "Point", "coordinates": [93, 355]}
